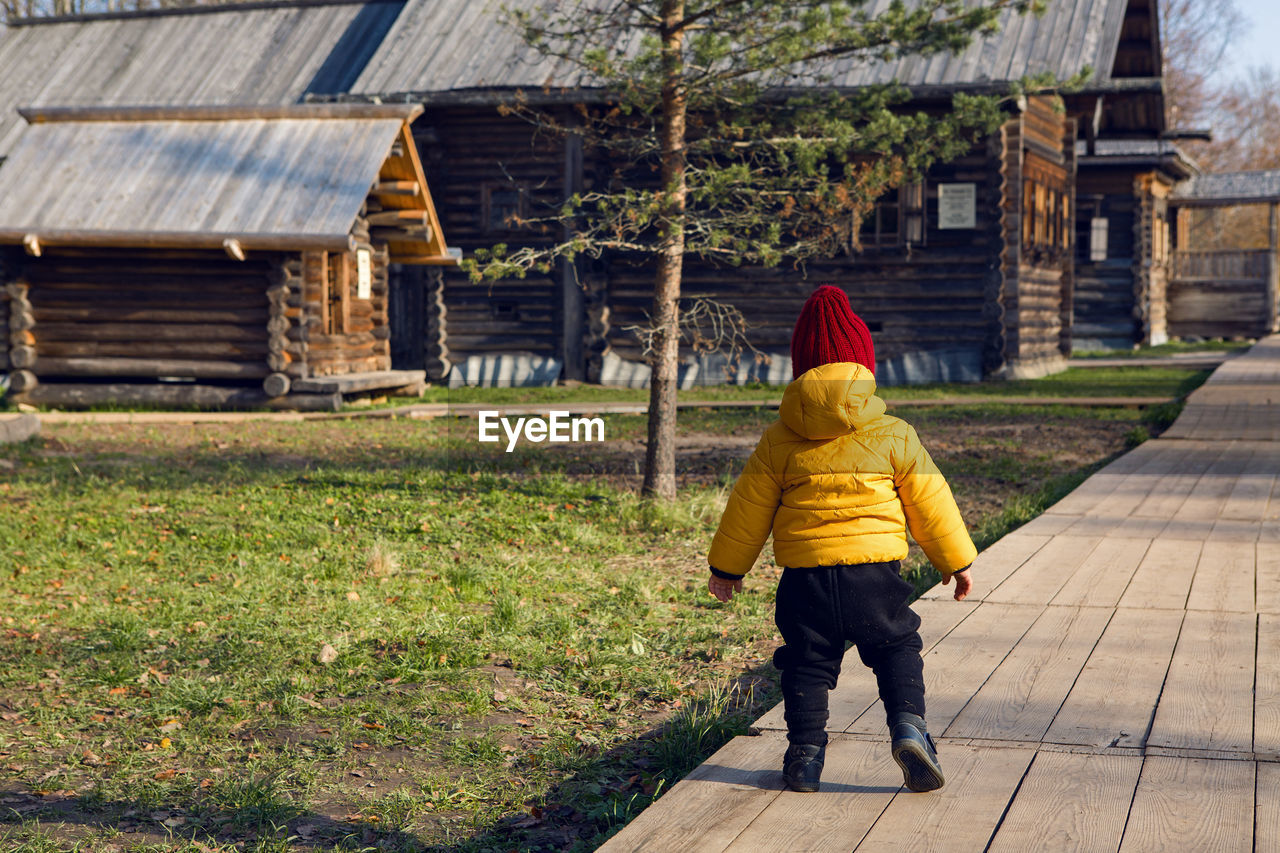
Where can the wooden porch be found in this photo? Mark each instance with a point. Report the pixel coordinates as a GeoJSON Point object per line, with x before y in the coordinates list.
{"type": "Point", "coordinates": [1112, 684]}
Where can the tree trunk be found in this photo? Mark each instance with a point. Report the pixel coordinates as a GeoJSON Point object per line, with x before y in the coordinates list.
{"type": "Point", "coordinates": [660, 454]}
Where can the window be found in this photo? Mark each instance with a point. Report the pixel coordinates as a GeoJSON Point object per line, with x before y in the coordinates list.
{"type": "Point", "coordinates": [505, 205]}
{"type": "Point", "coordinates": [1098, 226]}
{"type": "Point", "coordinates": [896, 220]}
{"type": "Point", "coordinates": [1046, 215]}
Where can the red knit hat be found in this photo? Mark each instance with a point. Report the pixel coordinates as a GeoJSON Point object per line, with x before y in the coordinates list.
{"type": "Point", "coordinates": [828, 331]}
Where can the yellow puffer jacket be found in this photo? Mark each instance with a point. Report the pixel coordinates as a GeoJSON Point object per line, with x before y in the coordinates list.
{"type": "Point", "coordinates": [839, 481]}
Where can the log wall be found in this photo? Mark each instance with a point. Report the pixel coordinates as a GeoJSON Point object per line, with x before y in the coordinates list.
{"type": "Point", "coordinates": [466, 153]}
{"type": "Point", "coordinates": [99, 313]}
{"type": "Point", "coordinates": [4, 322]}
{"type": "Point", "coordinates": [965, 289]}
{"type": "Point", "coordinates": [1037, 293]}
{"type": "Point", "coordinates": [1105, 290]}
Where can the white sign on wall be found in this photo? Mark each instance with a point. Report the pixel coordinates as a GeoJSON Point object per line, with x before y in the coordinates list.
{"type": "Point", "coordinates": [364, 274]}
{"type": "Point", "coordinates": [957, 205]}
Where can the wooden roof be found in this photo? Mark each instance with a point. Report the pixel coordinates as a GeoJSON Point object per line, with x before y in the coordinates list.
{"type": "Point", "coordinates": [443, 47]}
{"type": "Point", "coordinates": [1163, 153]}
{"type": "Point", "coordinates": [283, 178]}
{"type": "Point", "coordinates": [262, 54]}
{"type": "Point", "coordinates": [1225, 188]}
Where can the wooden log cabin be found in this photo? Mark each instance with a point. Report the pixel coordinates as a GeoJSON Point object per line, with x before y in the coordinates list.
{"type": "Point", "coordinates": [949, 300]}
{"type": "Point", "coordinates": [969, 274]}
{"type": "Point", "coordinates": [221, 256]}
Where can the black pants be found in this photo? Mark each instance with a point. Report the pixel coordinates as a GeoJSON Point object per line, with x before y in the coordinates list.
{"type": "Point", "coordinates": [819, 611]}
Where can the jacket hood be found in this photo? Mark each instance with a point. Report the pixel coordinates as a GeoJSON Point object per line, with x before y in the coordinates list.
{"type": "Point", "coordinates": [831, 400]}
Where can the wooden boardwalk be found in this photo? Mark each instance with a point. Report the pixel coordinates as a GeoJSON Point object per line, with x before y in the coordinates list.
{"type": "Point", "coordinates": [1113, 684]}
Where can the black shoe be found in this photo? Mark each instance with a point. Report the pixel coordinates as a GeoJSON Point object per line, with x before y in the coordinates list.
{"type": "Point", "coordinates": [802, 766]}
{"type": "Point", "coordinates": [915, 753]}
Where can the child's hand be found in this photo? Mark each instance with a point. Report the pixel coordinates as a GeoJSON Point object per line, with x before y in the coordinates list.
{"type": "Point", "coordinates": [724, 589]}
{"type": "Point", "coordinates": [964, 583]}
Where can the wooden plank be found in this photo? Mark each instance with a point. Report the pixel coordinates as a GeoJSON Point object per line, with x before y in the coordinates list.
{"type": "Point", "coordinates": [711, 806]}
{"type": "Point", "coordinates": [1098, 789]}
{"type": "Point", "coordinates": [1134, 651]}
{"type": "Point", "coordinates": [1266, 825]}
{"type": "Point", "coordinates": [1192, 804]}
{"type": "Point", "coordinates": [957, 667]}
{"type": "Point", "coordinates": [1207, 701]}
{"type": "Point", "coordinates": [858, 781]}
{"type": "Point", "coordinates": [1266, 698]}
{"type": "Point", "coordinates": [1038, 580]}
{"type": "Point", "coordinates": [1020, 699]}
{"type": "Point", "coordinates": [1268, 577]}
{"type": "Point", "coordinates": [980, 782]}
{"type": "Point", "coordinates": [1163, 579]}
{"type": "Point", "coordinates": [1104, 575]}
{"type": "Point", "coordinates": [1225, 578]}
{"type": "Point", "coordinates": [1138, 485]}
{"type": "Point", "coordinates": [996, 563]}
{"type": "Point", "coordinates": [1046, 524]}
{"type": "Point", "coordinates": [1171, 491]}
{"type": "Point", "coordinates": [1248, 500]}
{"type": "Point", "coordinates": [1197, 514]}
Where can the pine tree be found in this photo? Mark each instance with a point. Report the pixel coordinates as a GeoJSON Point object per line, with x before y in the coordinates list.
{"type": "Point", "coordinates": [730, 142]}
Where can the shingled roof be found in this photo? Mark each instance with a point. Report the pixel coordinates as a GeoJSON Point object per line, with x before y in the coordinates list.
{"type": "Point", "coordinates": [275, 178]}
{"type": "Point", "coordinates": [1231, 188]}
{"type": "Point", "coordinates": [438, 48]}
{"type": "Point", "coordinates": [259, 54]}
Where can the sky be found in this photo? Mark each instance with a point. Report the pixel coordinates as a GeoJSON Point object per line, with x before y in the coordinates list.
{"type": "Point", "coordinates": [1260, 44]}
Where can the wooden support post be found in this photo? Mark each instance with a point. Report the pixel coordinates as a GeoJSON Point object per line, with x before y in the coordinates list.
{"type": "Point", "coordinates": [571, 311]}
{"type": "Point", "coordinates": [1273, 271]}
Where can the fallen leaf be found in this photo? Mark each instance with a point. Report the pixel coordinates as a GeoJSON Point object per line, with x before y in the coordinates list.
{"type": "Point", "coordinates": [328, 654]}
{"type": "Point", "coordinates": [166, 774]}
{"type": "Point", "coordinates": [353, 596]}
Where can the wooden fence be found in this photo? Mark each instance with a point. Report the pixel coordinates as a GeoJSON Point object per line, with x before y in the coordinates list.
{"type": "Point", "coordinates": [1222, 293]}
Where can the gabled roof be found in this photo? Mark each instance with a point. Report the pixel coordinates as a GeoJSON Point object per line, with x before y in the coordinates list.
{"type": "Point", "coordinates": [282, 178]}
{"type": "Point", "coordinates": [261, 54]}
{"type": "Point", "coordinates": [438, 48]}
{"type": "Point", "coordinates": [1230, 188]}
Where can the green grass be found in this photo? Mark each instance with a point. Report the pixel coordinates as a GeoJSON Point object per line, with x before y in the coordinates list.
{"type": "Point", "coordinates": [335, 635]}
{"type": "Point", "coordinates": [500, 639]}
{"type": "Point", "coordinates": [1168, 348]}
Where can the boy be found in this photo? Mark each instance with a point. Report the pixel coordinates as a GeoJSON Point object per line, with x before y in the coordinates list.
{"type": "Point", "coordinates": [838, 482]}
